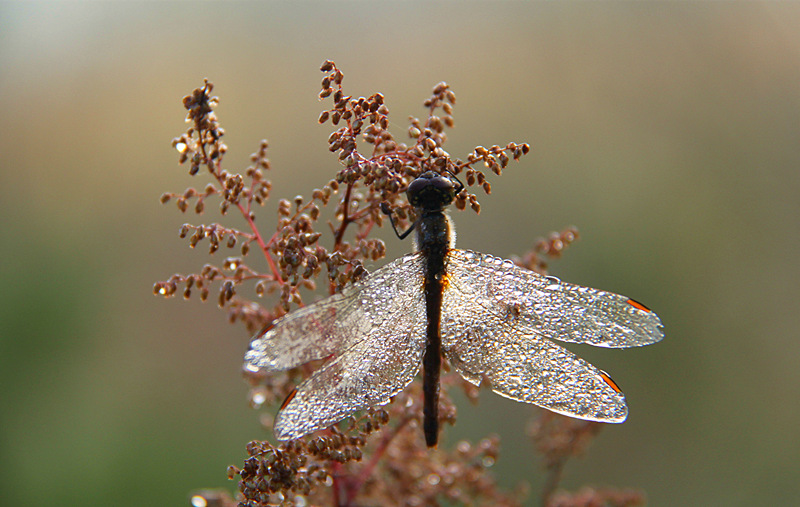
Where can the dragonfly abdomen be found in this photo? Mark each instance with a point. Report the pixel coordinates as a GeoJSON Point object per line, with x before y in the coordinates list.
{"type": "Point", "coordinates": [433, 238]}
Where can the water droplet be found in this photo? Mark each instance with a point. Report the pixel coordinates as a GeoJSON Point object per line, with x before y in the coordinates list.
{"type": "Point", "coordinates": [257, 397]}
{"type": "Point", "coordinates": [433, 479]}
{"type": "Point", "coordinates": [554, 282]}
{"type": "Point", "coordinates": [487, 461]}
{"type": "Point", "coordinates": [199, 501]}
{"type": "Point", "coordinates": [181, 147]}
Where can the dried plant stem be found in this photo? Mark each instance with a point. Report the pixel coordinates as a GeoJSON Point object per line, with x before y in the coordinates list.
{"type": "Point", "coordinates": [322, 469]}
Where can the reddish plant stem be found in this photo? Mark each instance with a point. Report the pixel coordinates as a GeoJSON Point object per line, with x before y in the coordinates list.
{"type": "Point", "coordinates": [345, 218]}
{"type": "Point", "coordinates": [369, 468]}
{"type": "Point", "coordinates": [216, 170]}
{"type": "Point", "coordinates": [337, 483]}
{"type": "Point", "coordinates": [554, 474]}
{"type": "Point", "coordinates": [260, 241]}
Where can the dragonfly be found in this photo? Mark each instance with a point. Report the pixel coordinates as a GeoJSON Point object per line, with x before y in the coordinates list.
{"type": "Point", "coordinates": [493, 321]}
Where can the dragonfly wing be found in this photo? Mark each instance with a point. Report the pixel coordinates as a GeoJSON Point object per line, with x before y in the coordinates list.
{"type": "Point", "coordinates": [525, 302]}
{"type": "Point", "coordinates": [367, 374]}
{"type": "Point", "coordinates": [336, 323]}
{"type": "Point", "coordinates": [532, 369]}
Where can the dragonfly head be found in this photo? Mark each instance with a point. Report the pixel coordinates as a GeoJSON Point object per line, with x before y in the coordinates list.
{"type": "Point", "coordinates": [431, 192]}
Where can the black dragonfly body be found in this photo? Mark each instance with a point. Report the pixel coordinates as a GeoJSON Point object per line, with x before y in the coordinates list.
{"type": "Point", "coordinates": [492, 320]}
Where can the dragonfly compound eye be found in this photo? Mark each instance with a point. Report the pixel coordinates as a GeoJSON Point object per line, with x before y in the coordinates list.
{"type": "Point", "coordinates": [431, 191]}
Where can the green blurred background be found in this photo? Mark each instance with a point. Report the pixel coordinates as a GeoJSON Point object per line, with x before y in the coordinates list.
{"type": "Point", "coordinates": [669, 133]}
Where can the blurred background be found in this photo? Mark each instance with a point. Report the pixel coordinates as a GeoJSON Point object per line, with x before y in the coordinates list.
{"type": "Point", "coordinates": [669, 133]}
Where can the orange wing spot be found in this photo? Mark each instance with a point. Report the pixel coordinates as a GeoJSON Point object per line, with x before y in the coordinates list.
{"type": "Point", "coordinates": [608, 380]}
{"type": "Point", "coordinates": [638, 305]}
{"type": "Point", "coordinates": [288, 399]}
{"type": "Point", "coordinates": [445, 281]}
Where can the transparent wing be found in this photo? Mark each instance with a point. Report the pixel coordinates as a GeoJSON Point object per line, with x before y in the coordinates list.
{"type": "Point", "coordinates": [519, 301]}
{"type": "Point", "coordinates": [335, 324]}
{"type": "Point", "coordinates": [530, 368]}
{"type": "Point", "coordinates": [374, 334]}
{"type": "Point", "coordinates": [367, 374]}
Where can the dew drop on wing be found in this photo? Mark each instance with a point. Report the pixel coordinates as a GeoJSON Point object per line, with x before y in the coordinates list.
{"type": "Point", "coordinates": [553, 282]}
{"type": "Point", "coordinates": [514, 379]}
